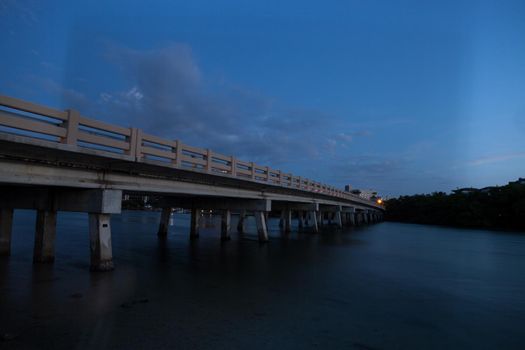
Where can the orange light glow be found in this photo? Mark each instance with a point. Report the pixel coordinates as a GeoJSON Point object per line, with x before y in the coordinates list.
{"type": "Point", "coordinates": [379, 201]}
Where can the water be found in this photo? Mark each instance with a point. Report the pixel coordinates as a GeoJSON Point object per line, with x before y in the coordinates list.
{"type": "Point", "coordinates": [386, 286]}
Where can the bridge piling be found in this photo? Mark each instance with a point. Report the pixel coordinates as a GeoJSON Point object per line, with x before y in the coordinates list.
{"type": "Point", "coordinates": [287, 220]}
{"type": "Point", "coordinates": [320, 217]}
{"type": "Point", "coordinates": [194, 223]}
{"type": "Point", "coordinates": [164, 222]}
{"type": "Point", "coordinates": [315, 227]}
{"type": "Point", "coordinates": [351, 219]}
{"type": "Point", "coordinates": [45, 233]}
{"type": "Point", "coordinates": [344, 219]}
{"type": "Point", "coordinates": [337, 219]}
{"type": "Point", "coordinates": [241, 222]}
{"type": "Point", "coordinates": [262, 228]}
{"type": "Point", "coordinates": [300, 219]}
{"type": "Point", "coordinates": [100, 242]}
{"type": "Point", "coordinates": [6, 226]}
{"type": "Point", "coordinates": [225, 225]}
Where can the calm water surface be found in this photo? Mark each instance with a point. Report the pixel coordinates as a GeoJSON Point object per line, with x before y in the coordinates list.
{"type": "Point", "coordinates": [386, 286]}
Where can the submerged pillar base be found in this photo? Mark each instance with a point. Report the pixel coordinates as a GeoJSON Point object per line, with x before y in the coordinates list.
{"type": "Point", "coordinates": [6, 224]}
{"type": "Point", "coordinates": [262, 228]}
{"type": "Point", "coordinates": [100, 242]}
{"type": "Point", "coordinates": [164, 222]}
{"type": "Point", "coordinates": [226, 225]}
{"type": "Point", "coordinates": [45, 233]}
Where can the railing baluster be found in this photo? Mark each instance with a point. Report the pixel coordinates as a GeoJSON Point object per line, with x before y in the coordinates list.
{"type": "Point", "coordinates": [208, 160]}
{"type": "Point", "coordinates": [233, 166]}
{"type": "Point", "coordinates": [71, 126]}
{"type": "Point", "coordinates": [135, 144]}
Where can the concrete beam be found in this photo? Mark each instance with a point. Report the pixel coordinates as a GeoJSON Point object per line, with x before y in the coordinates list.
{"type": "Point", "coordinates": [45, 233]}
{"type": "Point", "coordinates": [61, 199]}
{"type": "Point", "coordinates": [96, 172]}
{"type": "Point", "coordinates": [295, 206]}
{"type": "Point", "coordinates": [6, 227]}
{"type": "Point", "coordinates": [330, 208]}
{"type": "Point", "coordinates": [235, 204]}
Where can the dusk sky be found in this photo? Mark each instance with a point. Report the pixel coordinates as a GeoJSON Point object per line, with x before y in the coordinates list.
{"type": "Point", "coordinates": [400, 96]}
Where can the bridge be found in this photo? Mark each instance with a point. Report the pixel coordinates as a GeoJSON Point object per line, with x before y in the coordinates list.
{"type": "Point", "coordinates": [53, 160]}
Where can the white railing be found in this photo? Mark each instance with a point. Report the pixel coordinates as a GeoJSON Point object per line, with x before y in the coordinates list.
{"type": "Point", "coordinates": [69, 127]}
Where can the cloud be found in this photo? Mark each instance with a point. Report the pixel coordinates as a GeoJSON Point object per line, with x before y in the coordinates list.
{"type": "Point", "coordinates": [168, 95]}
{"type": "Point", "coordinates": [495, 159]}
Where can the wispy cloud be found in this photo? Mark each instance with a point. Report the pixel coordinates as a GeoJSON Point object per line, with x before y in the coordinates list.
{"type": "Point", "coordinates": [495, 159]}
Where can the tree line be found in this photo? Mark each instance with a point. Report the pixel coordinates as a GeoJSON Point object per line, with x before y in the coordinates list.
{"type": "Point", "coordinates": [493, 208]}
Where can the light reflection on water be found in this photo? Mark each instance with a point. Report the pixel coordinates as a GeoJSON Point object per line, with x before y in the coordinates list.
{"type": "Point", "coordinates": [386, 286]}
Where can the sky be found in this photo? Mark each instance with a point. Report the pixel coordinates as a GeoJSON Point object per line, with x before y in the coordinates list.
{"type": "Point", "coordinates": [402, 97]}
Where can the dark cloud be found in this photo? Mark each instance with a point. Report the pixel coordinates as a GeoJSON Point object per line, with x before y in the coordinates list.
{"type": "Point", "coordinates": [168, 95]}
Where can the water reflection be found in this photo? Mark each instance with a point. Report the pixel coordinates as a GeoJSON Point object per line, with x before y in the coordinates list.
{"type": "Point", "coordinates": [383, 286]}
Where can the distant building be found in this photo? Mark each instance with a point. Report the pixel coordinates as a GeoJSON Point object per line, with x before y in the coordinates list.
{"type": "Point", "coordinates": [466, 190]}
{"type": "Point", "coordinates": [365, 194]}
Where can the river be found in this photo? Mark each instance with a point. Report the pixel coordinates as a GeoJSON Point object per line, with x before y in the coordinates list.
{"type": "Point", "coordinates": [384, 286]}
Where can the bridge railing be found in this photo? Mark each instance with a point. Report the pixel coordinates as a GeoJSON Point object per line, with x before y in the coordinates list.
{"type": "Point", "coordinates": [68, 127]}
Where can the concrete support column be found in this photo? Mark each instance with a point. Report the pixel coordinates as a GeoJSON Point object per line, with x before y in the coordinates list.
{"type": "Point", "coordinates": [225, 225]}
{"type": "Point", "coordinates": [262, 228]}
{"type": "Point", "coordinates": [287, 220]}
{"type": "Point", "coordinates": [344, 219]}
{"type": "Point", "coordinates": [100, 242]}
{"type": "Point", "coordinates": [300, 218]}
{"type": "Point", "coordinates": [45, 233]}
{"type": "Point", "coordinates": [164, 222]}
{"type": "Point", "coordinates": [337, 219]}
{"type": "Point", "coordinates": [281, 220]}
{"type": "Point", "coordinates": [330, 215]}
{"type": "Point", "coordinates": [194, 222]}
{"type": "Point", "coordinates": [315, 227]}
{"type": "Point", "coordinates": [240, 224]}
{"type": "Point", "coordinates": [320, 218]}
{"type": "Point", "coordinates": [6, 225]}
{"type": "Point", "coordinates": [351, 219]}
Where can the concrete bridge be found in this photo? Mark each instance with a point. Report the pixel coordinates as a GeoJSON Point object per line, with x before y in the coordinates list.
{"type": "Point", "coordinates": [53, 160]}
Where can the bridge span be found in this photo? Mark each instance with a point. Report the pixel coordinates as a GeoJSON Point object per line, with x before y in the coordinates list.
{"type": "Point", "coordinates": [53, 160]}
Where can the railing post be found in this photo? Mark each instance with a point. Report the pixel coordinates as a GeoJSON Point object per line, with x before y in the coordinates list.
{"type": "Point", "coordinates": [208, 160]}
{"type": "Point", "coordinates": [268, 174]}
{"type": "Point", "coordinates": [135, 144]}
{"type": "Point", "coordinates": [71, 126]}
{"type": "Point", "coordinates": [252, 165]}
{"type": "Point", "coordinates": [233, 166]}
{"type": "Point", "coordinates": [178, 153]}
{"type": "Point", "coordinates": [299, 181]}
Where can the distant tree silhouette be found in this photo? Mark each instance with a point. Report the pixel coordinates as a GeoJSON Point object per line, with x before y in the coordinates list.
{"type": "Point", "coordinates": [492, 207]}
